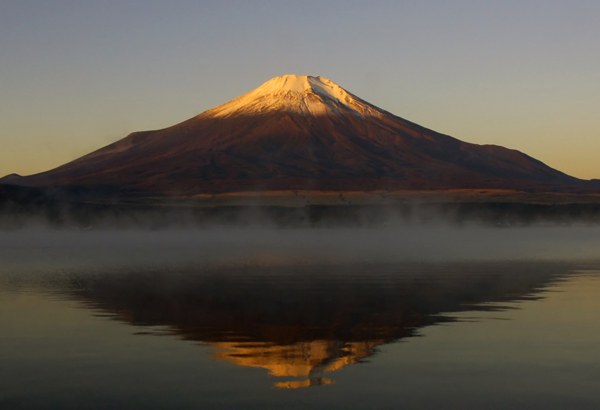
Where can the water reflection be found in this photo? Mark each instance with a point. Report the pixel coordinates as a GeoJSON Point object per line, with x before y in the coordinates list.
{"type": "Point", "coordinates": [303, 324]}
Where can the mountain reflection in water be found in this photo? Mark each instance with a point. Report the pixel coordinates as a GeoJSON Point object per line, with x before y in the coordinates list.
{"type": "Point", "coordinates": [301, 324]}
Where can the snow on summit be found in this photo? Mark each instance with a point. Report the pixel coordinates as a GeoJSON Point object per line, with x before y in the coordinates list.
{"type": "Point", "coordinates": [301, 94]}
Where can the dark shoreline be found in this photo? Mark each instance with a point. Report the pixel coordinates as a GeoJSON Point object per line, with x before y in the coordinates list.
{"type": "Point", "coordinates": [23, 206]}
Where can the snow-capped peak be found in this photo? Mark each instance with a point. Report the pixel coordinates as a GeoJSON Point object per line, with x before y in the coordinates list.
{"type": "Point", "coordinates": [296, 93]}
{"type": "Point", "coordinates": [303, 84]}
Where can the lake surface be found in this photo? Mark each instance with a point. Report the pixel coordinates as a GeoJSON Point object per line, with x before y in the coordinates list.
{"type": "Point", "coordinates": [403, 317]}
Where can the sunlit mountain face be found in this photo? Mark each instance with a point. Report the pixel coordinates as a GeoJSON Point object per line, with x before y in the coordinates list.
{"type": "Point", "coordinates": [304, 324]}
{"type": "Point", "coordinates": [298, 132]}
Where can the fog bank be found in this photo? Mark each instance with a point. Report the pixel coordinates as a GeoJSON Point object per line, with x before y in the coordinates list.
{"type": "Point", "coordinates": [47, 249]}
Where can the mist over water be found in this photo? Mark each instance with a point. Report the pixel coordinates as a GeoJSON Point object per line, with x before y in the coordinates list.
{"type": "Point", "coordinates": [255, 316]}
{"type": "Point", "coordinates": [269, 246]}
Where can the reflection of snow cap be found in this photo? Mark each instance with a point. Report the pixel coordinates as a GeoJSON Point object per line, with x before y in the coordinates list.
{"type": "Point", "coordinates": [306, 362]}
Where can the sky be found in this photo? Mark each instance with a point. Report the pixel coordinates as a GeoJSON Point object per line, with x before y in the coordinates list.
{"type": "Point", "coordinates": [76, 75]}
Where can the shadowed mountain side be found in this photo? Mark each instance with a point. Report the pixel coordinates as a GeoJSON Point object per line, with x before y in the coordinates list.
{"type": "Point", "coordinates": [289, 151]}
{"type": "Point", "coordinates": [300, 133]}
{"type": "Point", "coordinates": [301, 323]}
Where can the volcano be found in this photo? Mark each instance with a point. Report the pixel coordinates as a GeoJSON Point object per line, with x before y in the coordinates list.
{"type": "Point", "coordinates": [298, 132]}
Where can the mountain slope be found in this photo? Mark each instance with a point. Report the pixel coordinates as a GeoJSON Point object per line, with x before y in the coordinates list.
{"type": "Point", "coordinates": [299, 132]}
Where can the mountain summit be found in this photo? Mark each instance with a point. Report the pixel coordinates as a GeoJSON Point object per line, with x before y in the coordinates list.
{"type": "Point", "coordinates": [298, 132]}
{"type": "Point", "coordinates": [300, 94]}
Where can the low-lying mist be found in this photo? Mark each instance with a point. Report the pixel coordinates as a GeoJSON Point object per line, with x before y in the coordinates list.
{"type": "Point", "coordinates": [82, 212]}
{"type": "Point", "coordinates": [217, 246]}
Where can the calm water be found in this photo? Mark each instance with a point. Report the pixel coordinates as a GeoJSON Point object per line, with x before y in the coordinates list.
{"type": "Point", "coordinates": [395, 318]}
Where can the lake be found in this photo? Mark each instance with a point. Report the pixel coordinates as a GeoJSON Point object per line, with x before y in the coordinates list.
{"type": "Point", "coordinates": [396, 317]}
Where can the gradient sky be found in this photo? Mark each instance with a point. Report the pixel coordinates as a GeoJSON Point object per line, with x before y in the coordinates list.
{"type": "Point", "coordinates": [76, 75]}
